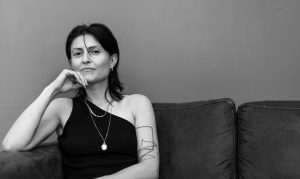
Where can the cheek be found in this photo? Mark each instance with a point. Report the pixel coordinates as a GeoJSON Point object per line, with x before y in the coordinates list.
{"type": "Point", "coordinates": [103, 69]}
{"type": "Point", "coordinates": [74, 65]}
{"type": "Point", "coordinates": [104, 65]}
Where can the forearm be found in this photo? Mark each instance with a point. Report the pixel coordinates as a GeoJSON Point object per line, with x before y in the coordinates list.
{"type": "Point", "coordinates": [143, 170]}
{"type": "Point", "coordinates": [23, 129]}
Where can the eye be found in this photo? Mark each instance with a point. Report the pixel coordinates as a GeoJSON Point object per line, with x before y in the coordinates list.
{"type": "Point", "coordinates": [77, 54]}
{"type": "Point", "coordinates": [95, 52]}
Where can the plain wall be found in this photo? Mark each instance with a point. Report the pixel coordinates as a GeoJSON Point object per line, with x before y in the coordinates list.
{"type": "Point", "coordinates": [171, 50]}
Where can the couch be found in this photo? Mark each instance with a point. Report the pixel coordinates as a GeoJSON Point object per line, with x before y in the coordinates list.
{"type": "Point", "coordinates": [205, 139]}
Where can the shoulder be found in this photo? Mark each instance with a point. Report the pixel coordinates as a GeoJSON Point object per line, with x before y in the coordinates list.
{"type": "Point", "coordinates": [139, 104]}
{"type": "Point", "coordinates": [137, 100]}
{"type": "Point", "coordinates": [61, 105]}
{"type": "Point", "coordinates": [61, 102]}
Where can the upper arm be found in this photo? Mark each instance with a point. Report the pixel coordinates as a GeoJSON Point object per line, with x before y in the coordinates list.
{"type": "Point", "coordinates": [146, 130]}
{"type": "Point", "coordinates": [48, 124]}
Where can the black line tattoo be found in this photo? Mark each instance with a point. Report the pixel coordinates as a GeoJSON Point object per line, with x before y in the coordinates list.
{"type": "Point", "coordinates": [147, 147]}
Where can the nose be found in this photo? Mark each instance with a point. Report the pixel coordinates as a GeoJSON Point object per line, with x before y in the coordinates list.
{"type": "Point", "coordinates": [86, 57]}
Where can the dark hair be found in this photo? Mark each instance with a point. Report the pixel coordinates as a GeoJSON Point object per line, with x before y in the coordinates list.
{"type": "Point", "coordinates": [107, 40]}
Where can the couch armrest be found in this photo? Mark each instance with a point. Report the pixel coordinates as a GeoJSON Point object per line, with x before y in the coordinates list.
{"type": "Point", "coordinates": [41, 162]}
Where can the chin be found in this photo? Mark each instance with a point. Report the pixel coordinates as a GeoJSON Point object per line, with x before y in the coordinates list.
{"type": "Point", "coordinates": [88, 77]}
{"type": "Point", "coordinates": [91, 79]}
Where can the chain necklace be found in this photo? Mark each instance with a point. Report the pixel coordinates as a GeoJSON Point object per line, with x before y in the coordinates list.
{"type": "Point", "coordinates": [104, 145]}
{"type": "Point", "coordinates": [94, 113]}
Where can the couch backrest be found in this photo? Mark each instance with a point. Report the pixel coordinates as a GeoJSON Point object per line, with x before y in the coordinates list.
{"type": "Point", "coordinates": [269, 140]}
{"type": "Point", "coordinates": [197, 139]}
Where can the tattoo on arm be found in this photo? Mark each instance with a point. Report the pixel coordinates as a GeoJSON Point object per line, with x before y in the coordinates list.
{"type": "Point", "coordinates": [147, 147]}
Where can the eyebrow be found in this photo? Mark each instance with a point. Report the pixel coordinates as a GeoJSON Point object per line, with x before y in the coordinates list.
{"type": "Point", "coordinates": [89, 48]}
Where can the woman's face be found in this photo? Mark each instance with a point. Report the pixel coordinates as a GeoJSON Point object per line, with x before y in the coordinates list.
{"type": "Point", "coordinates": [90, 59]}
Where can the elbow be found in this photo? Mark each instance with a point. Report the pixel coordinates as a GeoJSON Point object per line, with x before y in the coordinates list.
{"type": "Point", "coordinates": [10, 148]}
{"type": "Point", "coordinates": [156, 173]}
{"type": "Point", "coordinates": [5, 147]}
{"type": "Point", "coordinates": [153, 168]}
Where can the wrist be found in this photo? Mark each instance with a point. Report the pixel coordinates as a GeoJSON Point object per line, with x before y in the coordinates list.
{"type": "Point", "coordinates": [50, 90]}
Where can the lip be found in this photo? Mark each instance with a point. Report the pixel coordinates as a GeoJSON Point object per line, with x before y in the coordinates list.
{"type": "Point", "coordinates": [87, 69]}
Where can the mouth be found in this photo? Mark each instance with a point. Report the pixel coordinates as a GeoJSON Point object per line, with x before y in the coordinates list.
{"type": "Point", "coordinates": [87, 69]}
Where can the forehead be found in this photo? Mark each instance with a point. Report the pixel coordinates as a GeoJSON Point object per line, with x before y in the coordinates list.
{"type": "Point", "coordinates": [85, 40]}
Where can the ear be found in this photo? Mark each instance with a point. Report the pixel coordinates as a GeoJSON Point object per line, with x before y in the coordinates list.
{"type": "Point", "coordinates": [113, 60]}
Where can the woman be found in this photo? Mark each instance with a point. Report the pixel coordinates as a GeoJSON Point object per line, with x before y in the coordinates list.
{"type": "Point", "coordinates": [101, 132]}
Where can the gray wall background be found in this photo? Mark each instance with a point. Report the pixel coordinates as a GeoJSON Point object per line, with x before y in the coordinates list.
{"type": "Point", "coordinates": [171, 50]}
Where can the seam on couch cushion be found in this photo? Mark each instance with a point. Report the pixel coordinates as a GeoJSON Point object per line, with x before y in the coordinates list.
{"type": "Point", "coordinates": [234, 147]}
{"type": "Point", "coordinates": [177, 107]}
{"type": "Point", "coordinates": [268, 107]}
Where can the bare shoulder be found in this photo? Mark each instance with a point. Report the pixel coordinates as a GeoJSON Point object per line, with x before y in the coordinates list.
{"type": "Point", "coordinates": [61, 106]}
{"type": "Point", "coordinates": [61, 102]}
{"type": "Point", "coordinates": [135, 100]}
{"type": "Point", "coordinates": [139, 104]}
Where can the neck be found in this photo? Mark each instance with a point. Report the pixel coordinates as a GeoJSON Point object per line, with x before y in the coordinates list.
{"type": "Point", "coordinates": [96, 93]}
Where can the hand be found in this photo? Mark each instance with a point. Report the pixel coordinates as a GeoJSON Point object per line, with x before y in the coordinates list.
{"type": "Point", "coordinates": [68, 80]}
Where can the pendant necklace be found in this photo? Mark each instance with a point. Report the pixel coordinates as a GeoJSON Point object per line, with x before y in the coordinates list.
{"type": "Point", "coordinates": [104, 145]}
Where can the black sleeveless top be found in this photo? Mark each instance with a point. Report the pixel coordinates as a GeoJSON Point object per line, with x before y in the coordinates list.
{"type": "Point", "coordinates": [80, 143]}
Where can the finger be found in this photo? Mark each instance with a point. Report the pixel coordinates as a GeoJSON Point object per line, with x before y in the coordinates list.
{"type": "Point", "coordinates": [79, 79]}
{"type": "Point", "coordinates": [70, 75]}
{"type": "Point", "coordinates": [83, 78]}
{"type": "Point", "coordinates": [75, 77]}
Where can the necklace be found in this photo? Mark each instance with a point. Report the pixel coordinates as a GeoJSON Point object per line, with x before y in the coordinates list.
{"type": "Point", "coordinates": [94, 113]}
{"type": "Point", "coordinates": [104, 145]}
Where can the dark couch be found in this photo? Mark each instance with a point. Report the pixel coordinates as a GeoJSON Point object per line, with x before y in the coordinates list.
{"type": "Point", "coordinates": [205, 139]}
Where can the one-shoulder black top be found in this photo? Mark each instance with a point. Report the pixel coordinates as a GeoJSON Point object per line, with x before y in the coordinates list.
{"type": "Point", "coordinates": [80, 143]}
